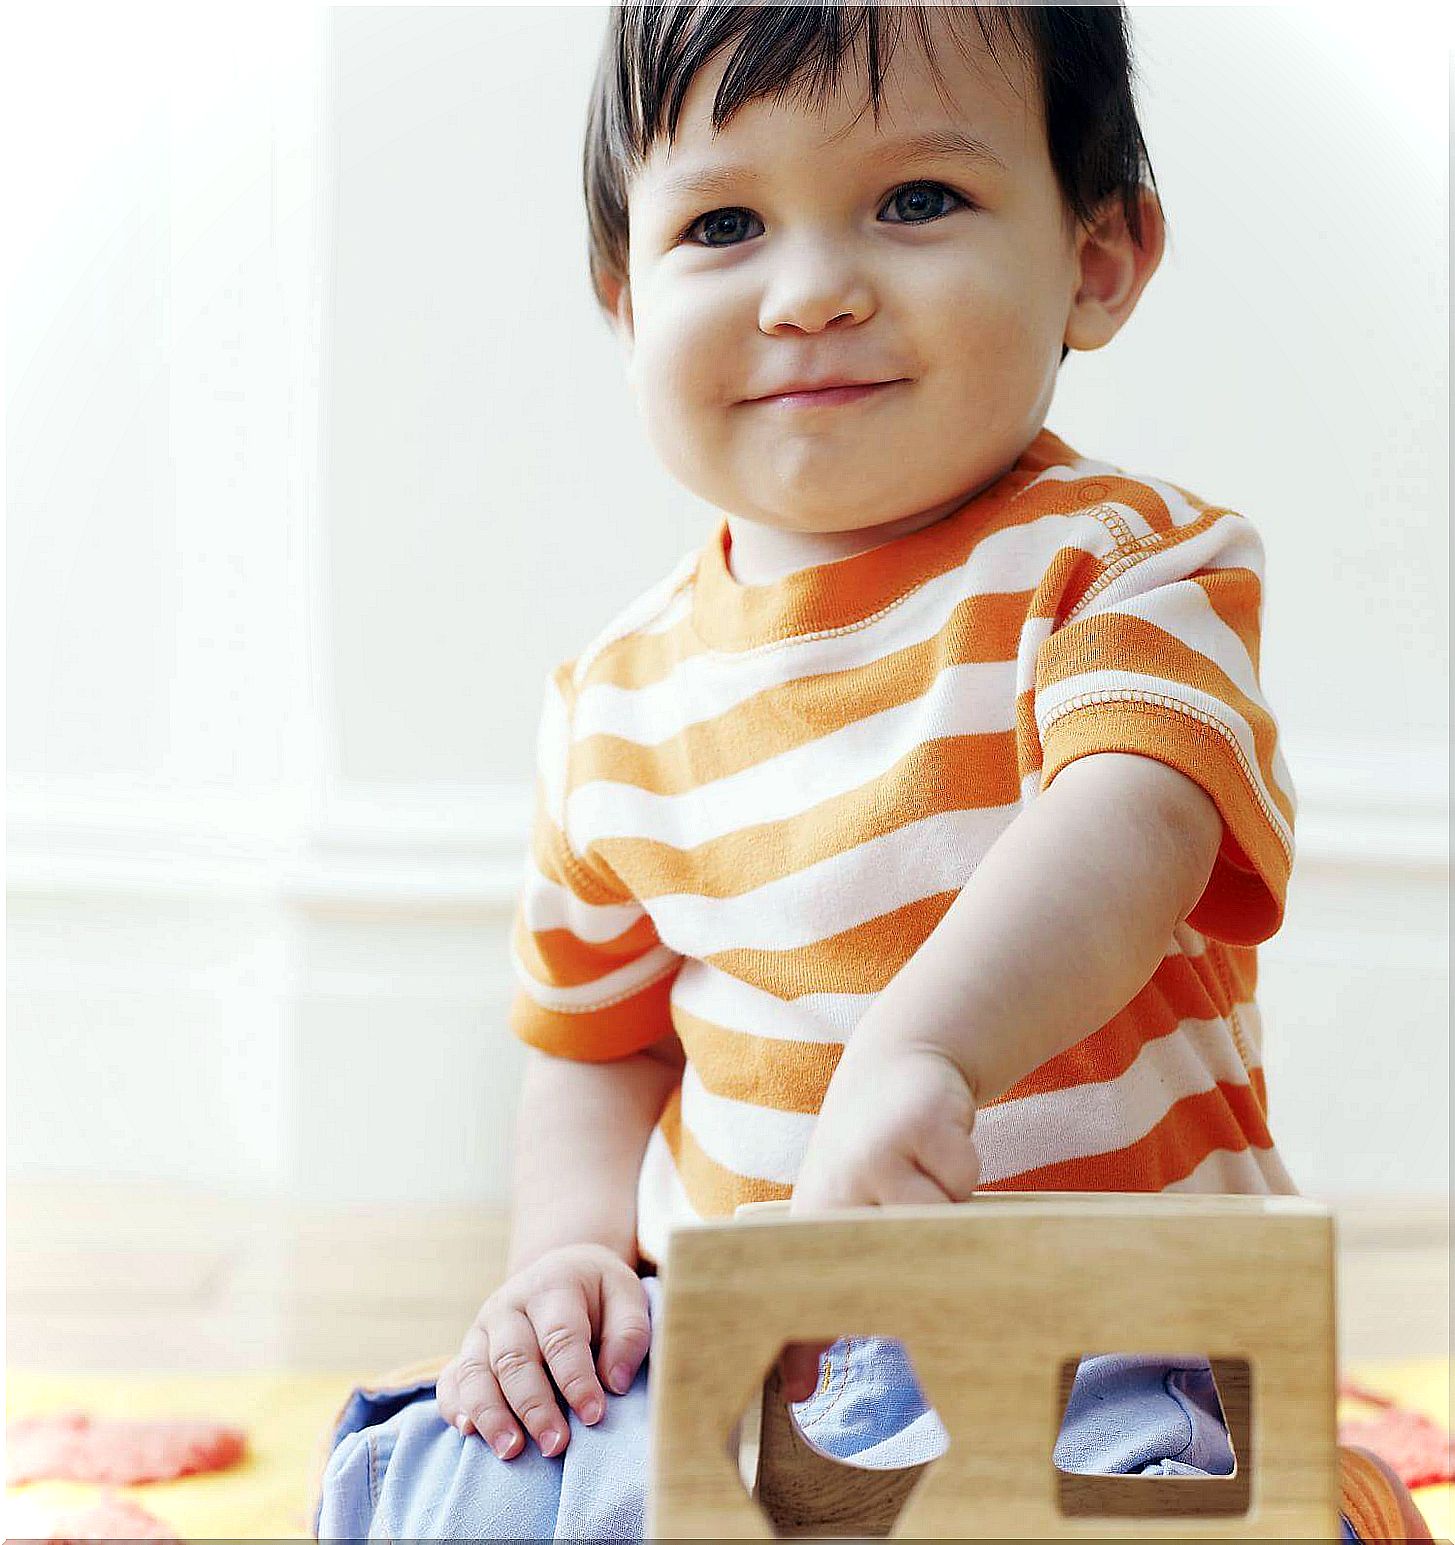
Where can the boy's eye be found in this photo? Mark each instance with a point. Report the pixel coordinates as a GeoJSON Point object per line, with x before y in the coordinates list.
{"type": "Point", "coordinates": [916, 203]}
{"type": "Point", "coordinates": [720, 223]}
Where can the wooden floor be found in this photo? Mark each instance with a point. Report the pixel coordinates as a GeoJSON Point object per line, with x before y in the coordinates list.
{"type": "Point", "coordinates": [116, 1278]}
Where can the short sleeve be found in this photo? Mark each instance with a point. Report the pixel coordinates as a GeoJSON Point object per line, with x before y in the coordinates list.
{"type": "Point", "coordinates": [592, 976]}
{"type": "Point", "coordinates": [1159, 656]}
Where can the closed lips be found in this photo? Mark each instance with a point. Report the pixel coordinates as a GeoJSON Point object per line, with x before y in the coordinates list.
{"type": "Point", "coordinates": [804, 388]}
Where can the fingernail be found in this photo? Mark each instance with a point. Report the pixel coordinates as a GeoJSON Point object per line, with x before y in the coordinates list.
{"type": "Point", "coordinates": [462, 1426]}
{"type": "Point", "coordinates": [502, 1443]}
{"type": "Point", "coordinates": [550, 1442]}
{"type": "Point", "coordinates": [620, 1378]}
{"type": "Point", "coordinates": [591, 1410]}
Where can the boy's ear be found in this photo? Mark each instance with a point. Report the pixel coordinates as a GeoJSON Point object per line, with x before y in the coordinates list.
{"type": "Point", "coordinates": [618, 297]}
{"type": "Point", "coordinates": [1113, 269]}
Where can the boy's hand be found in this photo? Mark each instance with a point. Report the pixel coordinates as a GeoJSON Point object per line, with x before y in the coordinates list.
{"type": "Point", "coordinates": [895, 1127]}
{"type": "Point", "coordinates": [555, 1308]}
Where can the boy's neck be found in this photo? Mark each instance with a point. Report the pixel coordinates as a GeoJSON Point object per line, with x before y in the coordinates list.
{"type": "Point", "coordinates": [759, 554]}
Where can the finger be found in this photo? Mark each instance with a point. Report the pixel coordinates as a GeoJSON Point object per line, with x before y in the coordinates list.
{"type": "Point", "coordinates": [480, 1403]}
{"type": "Point", "coordinates": [951, 1160]}
{"type": "Point", "coordinates": [447, 1395]}
{"type": "Point", "coordinates": [562, 1324]}
{"type": "Point", "coordinates": [911, 1187]}
{"type": "Point", "coordinates": [799, 1367]}
{"type": "Point", "coordinates": [515, 1360]}
{"type": "Point", "coordinates": [626, 1330]}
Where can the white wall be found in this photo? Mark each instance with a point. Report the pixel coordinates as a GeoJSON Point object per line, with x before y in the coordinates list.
{"type": "Point", "coordinates": [319, 457]}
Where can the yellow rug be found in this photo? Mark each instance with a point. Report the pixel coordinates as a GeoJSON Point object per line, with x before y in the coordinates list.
{"type": "Point", "coordinates": [265, 1498]}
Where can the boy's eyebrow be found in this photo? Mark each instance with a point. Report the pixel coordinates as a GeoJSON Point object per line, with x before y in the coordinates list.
{"type": "Point", "coordinates": [936, 142]}
{"type": "Point", "coordinates": [712, 181]}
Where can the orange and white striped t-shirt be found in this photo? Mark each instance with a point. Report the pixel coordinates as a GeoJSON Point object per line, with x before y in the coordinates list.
{"type": "Point", "coordinates": [756, 802]}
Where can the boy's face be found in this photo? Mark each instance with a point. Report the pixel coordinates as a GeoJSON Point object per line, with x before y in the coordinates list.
{"type": "Point", "coordinates": [835, 250]}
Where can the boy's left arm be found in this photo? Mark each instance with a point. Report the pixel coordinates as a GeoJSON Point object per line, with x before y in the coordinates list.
{"type": "Point", "coordinates": [1061, 925]}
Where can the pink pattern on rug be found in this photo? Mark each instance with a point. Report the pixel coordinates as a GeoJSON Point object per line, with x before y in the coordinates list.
{"type": "Point", "coordinates": [113, 1518]}
{"type": "Point", "coordinates": [74, 1447]}
{"type": "Point", "coordinates": [1414, 1445]}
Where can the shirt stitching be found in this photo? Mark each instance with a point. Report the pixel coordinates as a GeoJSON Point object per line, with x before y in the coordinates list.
{"type": "Point", "coordinates": [621, 997]}
{"type": "Point", "coordinates": [1131, 550]}
{"type": "Point", "coordinates": [1135, 698]}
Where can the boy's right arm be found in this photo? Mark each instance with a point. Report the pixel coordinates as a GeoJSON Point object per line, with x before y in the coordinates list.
{"type": "Point", "coordinates": [580, 1136]}
{"type": "Point", "coordinates": [581, 1133]}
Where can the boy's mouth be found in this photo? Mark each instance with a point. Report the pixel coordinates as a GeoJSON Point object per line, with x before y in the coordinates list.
{"type": "Point", "coordinates": [823, 394]}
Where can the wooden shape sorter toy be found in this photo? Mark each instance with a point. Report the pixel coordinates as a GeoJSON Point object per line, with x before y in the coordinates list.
{"type": "Point", "coordinates": [996, 1300]}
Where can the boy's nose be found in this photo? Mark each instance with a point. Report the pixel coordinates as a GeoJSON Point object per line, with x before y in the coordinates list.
{"type": "Point", "coordinates": [814, 293]}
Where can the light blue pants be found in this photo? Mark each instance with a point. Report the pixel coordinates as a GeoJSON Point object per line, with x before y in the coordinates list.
{"type": "Point", "coordinates": [397, 1471]}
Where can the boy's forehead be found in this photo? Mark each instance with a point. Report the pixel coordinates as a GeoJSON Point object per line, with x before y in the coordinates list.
{"type": "Point", "coordinates": [990, 98]}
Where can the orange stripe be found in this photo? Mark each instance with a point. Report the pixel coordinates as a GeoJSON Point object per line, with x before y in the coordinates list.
{"type": "Point", "coordinates": [1202, 1124]}
{"type": "Point", "coordinates": [642, 659]}
{"type": "Point", "coordinates": [1165, 1155]}
{"type": "Point", "coordinates": [1177, 991]}
{"type": "Point", "coordinates": [981, 630]}
{"type": "Point", "coordinates": [864, 958]}
{"type": "Point", "coordinates": [959, 772]}
{"type": "Point", "coordinates": [1027, 735]}
{"type": "Point", "coordinates": [556, 957]}
{"type": "Point", "coordinates": [1147, 502]}
{"type": "Point", "coordinates": [1260, 1089]}
{"type": "Point", "coordinates": [759, 1070]}
{"type": "Point", "coordinates": [1111, 641]}
{"type": "Point", "coordinates": [601, 1034]}
{"type": "Point", "coordinates": [787, 1075]}
{"type": "Point", "coordinates": [1082, 494]}
{"type": "Point", "coordinates": [1236, 595]}
{"type": "Point", "coordinates": [713, 1190]}
{"type": "Point", "coordinates": [555, 860]}
{"type": "Point", "coordinates": [1069, 575]}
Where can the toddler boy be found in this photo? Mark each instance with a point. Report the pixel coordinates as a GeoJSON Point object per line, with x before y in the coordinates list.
{"type": "Point", "coordinates": [917, 834]}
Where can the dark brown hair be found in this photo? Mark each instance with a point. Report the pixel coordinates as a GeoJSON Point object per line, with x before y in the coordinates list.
{"type": "Point", "coordinates": [652, 52]}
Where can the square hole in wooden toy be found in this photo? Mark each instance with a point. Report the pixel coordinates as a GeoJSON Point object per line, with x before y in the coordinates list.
{"type": "Point", "coordinates": [1094, 1495]}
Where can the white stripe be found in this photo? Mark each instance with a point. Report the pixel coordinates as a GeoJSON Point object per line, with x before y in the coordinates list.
{"type": "Point", "coordinates": [642, 612]}
{"type": "Point", "coordinates": [1088, 1119]}
{"type": "Point", "coordinates": [1282, 777]}
{"type": "Point", "coordinates": [1229, 543]}
{"type": "Point", "coordinates": [601, 993]}
{"type": "Point", "coordinates": [720, 999]}
{"type": "Point", "coordinates": [751, 1140]}
{"type": "Point", "coordinates": [1034, 633]}
{"type": "Point", "coordinates": [1070, 472]}
{"type": "Point", "coordinates": [962, 700]}
{"type": "Point", "coordinates": [1183, 610]}
{"type": "Point", "coordinates": [1247, 1172]}
{"type": "Point", "coordinates": [675, 611]}
{"type": "Point", "coordinates": [705, 685]}
{"type": "Point", "coordinates": [1049, 699]}
{"type": "Point", "coordinates": [1180, 508]}
{"type": "Point", "coordinates": [1250, 1018]}
{"type": "Point", "coordinates": [544, 904]}
{"type": "Point", "coordinates": [662, 1201]}
{"type": "Point", "coordinates": [1013, 1137]}
{"type": "Point", "coordinates": [1188, 941]}
{"type": "Point", "coordinates": [920, 859]}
